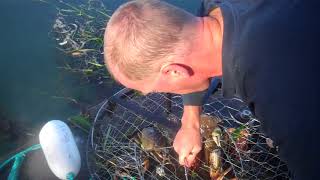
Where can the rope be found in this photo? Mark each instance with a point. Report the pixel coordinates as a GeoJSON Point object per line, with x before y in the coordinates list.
{"type": "Point", "coordinates": [70, 176]}
{"type": "Point", "coordinates": [14, 173]}
{"type": "Point", "coordinates": [18, 159]}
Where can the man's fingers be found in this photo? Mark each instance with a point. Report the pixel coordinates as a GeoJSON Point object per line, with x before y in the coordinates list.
{"type": "Point", "coordinates": [187, 141]}
{"type": "Point", "coordinates": [196, 149]}
{"type": "Point", "coordinates": [192, 156]}
{"type": "Point", "coordinates": [186, 158]}
{"type": "Point", "coordinates": [176, 147]}
{"type": "Point", "coordinates": [190, 159]}
{"type": "Point", "coordinates": [182, 157]}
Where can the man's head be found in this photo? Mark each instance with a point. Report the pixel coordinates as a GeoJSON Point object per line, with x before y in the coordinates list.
{"type": "Point", "coordinates": [148, 46]}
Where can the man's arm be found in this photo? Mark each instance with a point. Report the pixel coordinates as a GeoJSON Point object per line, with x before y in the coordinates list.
{"type": "Point", "coordinates": [187, 142]}
{"type": "Point", "coordinates": [192, 116]}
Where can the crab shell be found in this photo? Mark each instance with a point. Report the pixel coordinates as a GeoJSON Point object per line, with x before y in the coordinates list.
{"type": "Point", "coordinates": [208, 124]}
{"type": "Point", "coordinates": [216, 136]}
{"type": "Point", "coordinates": [215, 163]}
{"type": "Point", "coordinates": [151, 139]}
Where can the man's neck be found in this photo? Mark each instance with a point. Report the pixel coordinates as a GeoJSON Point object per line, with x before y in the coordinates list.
{"type": "Point", "coordinates": [212, 37]}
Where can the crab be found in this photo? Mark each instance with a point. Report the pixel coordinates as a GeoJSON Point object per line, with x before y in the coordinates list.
{"type": "Point", "coordinates": [213, 135]}
{"type": "Point", "coordinates": [154, 144]}
{"type": "Point", "coordinates": [151, 139]}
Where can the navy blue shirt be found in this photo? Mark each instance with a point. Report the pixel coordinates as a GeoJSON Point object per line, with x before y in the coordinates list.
{"type": "Point", "coordinates": [270, 60]}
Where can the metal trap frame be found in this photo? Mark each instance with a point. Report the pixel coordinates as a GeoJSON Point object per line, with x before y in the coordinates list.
{"type": "Point", "coordinates": [112, 153]}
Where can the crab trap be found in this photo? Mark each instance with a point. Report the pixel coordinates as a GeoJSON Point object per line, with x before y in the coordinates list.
{"type": "Point", "coordinates": [132, 138]}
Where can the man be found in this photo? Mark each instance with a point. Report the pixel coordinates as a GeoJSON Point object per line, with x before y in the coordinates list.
{"type": "Point", "coordinates": [264, 51]}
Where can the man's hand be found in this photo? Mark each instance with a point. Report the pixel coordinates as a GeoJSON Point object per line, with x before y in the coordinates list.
{"type": "Point", "coordinates": [187, 142]}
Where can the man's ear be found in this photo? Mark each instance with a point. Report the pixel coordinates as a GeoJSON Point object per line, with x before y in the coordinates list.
{"type": "Point", "coordinates": [175, 70]}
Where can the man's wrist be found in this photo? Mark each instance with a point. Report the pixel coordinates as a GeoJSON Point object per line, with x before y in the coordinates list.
{"type": "Point", "coordinates": [191, 117]}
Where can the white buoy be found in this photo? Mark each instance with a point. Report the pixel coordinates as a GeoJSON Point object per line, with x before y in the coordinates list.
{"type": "Point", "coordinates": [60, 149]}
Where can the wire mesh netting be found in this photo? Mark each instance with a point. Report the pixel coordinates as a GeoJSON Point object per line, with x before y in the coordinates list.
{"type": "Point", "coordinates": [132, 138]}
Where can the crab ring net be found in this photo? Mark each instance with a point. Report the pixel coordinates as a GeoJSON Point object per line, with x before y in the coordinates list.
{"type": "Point", "coordinates": [246, 153]}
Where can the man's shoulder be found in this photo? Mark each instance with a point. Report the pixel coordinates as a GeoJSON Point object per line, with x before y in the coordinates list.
{"type": "Point", "coordinates": [208, 6]}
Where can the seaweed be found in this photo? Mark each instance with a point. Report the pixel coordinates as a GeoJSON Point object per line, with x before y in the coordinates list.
{"type": "Point", "coordinates": [78, 30]}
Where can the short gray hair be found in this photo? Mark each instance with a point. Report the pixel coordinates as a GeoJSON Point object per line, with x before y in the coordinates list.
{"type": "Point", "coordinates": [143, 34]}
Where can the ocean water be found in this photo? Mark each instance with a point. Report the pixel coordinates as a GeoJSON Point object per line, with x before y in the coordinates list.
{"type": "Point", "coordinates": [33, 87]}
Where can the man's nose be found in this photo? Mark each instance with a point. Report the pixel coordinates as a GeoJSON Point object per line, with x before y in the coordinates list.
{"type": "Point", "coordinates": [142, 92]}
{"type": "Point", "coordinates": [145, 93]}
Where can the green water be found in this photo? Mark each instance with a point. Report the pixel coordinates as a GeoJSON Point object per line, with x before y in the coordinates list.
{"type": "Point", "coordinates": [33, 88]}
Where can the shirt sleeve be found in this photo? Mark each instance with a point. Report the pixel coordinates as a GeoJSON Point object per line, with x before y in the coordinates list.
{"type": "Point", "coordinates": [194, 98]}
{"type": "Point", "coordinates": [200, 97]}
{"type": "Point", "coordinates": [207, 6]}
